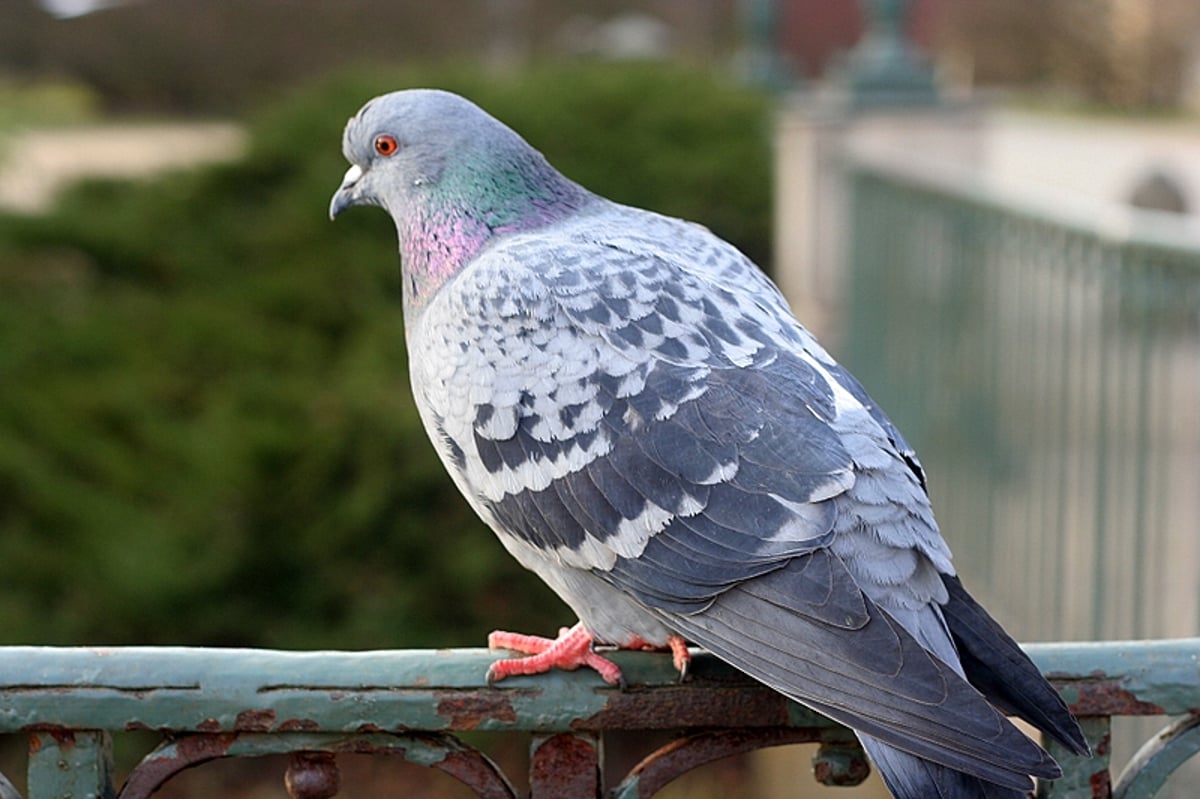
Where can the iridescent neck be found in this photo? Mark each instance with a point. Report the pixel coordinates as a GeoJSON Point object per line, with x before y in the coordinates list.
{"type": "Point", "coordinates": [445, 227]}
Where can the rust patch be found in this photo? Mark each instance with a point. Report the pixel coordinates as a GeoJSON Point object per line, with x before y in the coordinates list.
{"type": "Point", "coordinates": [312, 775]}
{"type": "Point", "coordinates": [466, 711]}
{"type": "Point", "coordinates": [299, 725]}
{"type": "Point", "coordinates": [254, 721]}
{"type": "Point", "coordinates": [138, 726]}
{"type": "Point", "coordinates": [368, 727]}
{"type": "Point", "coordinates": [362, 746]}
{"type": "Point", "coordinates": [209, 725]}
{"type": "Point", "coordinates": [684, 754]}
{"type": "Point", "coordinates": [195, 748]}
{"type": "Point", "coordinates": [63, 736]}
{"type": "Point", "coordinates": [564, 765]}
{"type": "Point", "coordinates": [670, 708]}
{"type": "Point", "coordinates": [1108, 698]}
{"type": "Point", "coordinates": [189, 750]}
{"type": "Point", "coordinates": [1101, 783]}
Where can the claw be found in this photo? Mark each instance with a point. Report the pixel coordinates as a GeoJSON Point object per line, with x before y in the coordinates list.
{"type": "Point", "coordinates": [572, 649]}
{"type": "Point", "coordinates": [680, 656]}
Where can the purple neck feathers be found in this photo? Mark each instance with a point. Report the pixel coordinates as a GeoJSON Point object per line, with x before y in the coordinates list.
{"type": "Point", "coordinates": [446, 225]}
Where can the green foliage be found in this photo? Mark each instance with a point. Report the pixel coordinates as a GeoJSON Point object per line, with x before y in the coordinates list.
{"type": "Point", "coordinates": [44, 103]}
{"type": "Point", "coordinates": [206, 430]}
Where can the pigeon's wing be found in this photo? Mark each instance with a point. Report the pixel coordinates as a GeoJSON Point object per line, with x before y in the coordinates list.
{"type": "Point", "coordinates": [865, 671]}
{"type": "Point", "coordinates": [748, 569]}
{"type": "Point", "coordinates": [670, 430]}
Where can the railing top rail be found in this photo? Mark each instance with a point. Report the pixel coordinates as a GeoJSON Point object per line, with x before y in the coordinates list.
{"type": "Point", "coordinates": [1112, 222]}
{"type": "Point", "coordinates": [251, 690]}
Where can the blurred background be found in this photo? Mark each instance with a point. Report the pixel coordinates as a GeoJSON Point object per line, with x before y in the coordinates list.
{"type": "Point", "coordinates": [985, 208]}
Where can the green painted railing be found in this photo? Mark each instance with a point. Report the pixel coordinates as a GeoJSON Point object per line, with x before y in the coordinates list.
{"type": "Point", "coordinates": [209, 704]}
{"type": "Point", "coordinates": [1043, 356]}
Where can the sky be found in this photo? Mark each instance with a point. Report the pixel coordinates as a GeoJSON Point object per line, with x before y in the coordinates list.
{"type": "Point", "coordinates": [64, 9]}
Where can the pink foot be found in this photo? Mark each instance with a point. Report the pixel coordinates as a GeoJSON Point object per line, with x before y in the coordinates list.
{"type": "Point", "coordinates": [572, 649]}
{"type": "Point", "coordinates": [680, 656]}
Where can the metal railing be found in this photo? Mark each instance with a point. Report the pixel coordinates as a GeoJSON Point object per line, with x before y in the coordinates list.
{"type": "Point", "coordinates": [210, 703]}
{"type": "Point", "coordinates": [1044, 358]}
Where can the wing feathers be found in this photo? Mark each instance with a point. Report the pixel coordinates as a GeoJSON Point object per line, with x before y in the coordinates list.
{"type": "Point", "coordinates": [996, 665]}
{"type": "Point", "coordinates": [910, 777]}
{"type": "Point", "coordinates": [878, 680]}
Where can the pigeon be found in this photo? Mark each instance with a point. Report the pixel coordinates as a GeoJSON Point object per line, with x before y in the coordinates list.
{"type": "Point", "coordinates": [630, 404]}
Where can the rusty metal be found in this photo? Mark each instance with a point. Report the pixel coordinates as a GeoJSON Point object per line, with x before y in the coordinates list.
{"type": "Point", "coordinates": [664, 708]}
{"type": "Point", "coordinates": [210, 704]}
{"type": "Point", "coordinates": [435, 750]}
{"type": "Point", "coordinates": [691, 751]}
{"type": "Point", "coordinates": [254, 721]}
{"type": "Point", "coordinates": [1110, 698]}
{"type": "Point", "coordinates": [76, 763]}
{"type": "Point", "coordinates": [63, 736]}
{"type": "Point", "coordinates": [564, 766]}
{"type": "Point", "coordinates": [312, 775]}
{"type": "Point", "coordinates": [1083, 777]}
{"type": "Point", "coordinates": [173, 757]}
{"type": "Point", "coordinates": [465, 710]}
{"type": "Point", "coordinates": [840, 764]}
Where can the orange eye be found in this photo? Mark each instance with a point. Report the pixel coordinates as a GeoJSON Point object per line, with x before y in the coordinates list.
{"type": "Point", "coordinates": [386, 145]}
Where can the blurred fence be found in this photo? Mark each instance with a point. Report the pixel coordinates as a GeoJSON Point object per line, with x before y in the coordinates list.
{"type": "Point", "coordinates": [1045, 361]}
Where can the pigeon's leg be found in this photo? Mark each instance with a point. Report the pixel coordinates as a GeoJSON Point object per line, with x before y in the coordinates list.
{"type": "Point", "coordinates": [572, 649]}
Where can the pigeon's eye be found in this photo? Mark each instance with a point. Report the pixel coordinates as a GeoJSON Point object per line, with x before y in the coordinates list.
{"type": "Point", "coordinates": [386, 145]}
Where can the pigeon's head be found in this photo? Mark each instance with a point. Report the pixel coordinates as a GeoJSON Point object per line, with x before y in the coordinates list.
{"type": "Point", "coordinates": [402, 145]}
{"type": "Point", "coordinates": [451, 176]}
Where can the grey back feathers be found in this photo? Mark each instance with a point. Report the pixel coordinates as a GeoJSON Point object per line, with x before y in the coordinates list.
{"type": "Point", "coordinates": [630, 404]}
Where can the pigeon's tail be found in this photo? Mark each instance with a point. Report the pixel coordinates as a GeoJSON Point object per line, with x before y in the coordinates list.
{"type": "Point", "coordinates": [996, 665]}
{"type": "Point", "coordinates": [910, 777]}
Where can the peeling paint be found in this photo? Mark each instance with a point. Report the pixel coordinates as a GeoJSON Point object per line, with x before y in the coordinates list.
{"type": "Point", "coordinates": [254, 721]}
{"type": "Point", "coordinates": [1110, 698]}
{"type": "Point", "coordinates": [468, 710]}
{"type": "Point", "coordinates": [63, 736]}
{"type": "Point", "coordinates": [299, 725]}
{"type": "Point", "coordinates": [199, 747]}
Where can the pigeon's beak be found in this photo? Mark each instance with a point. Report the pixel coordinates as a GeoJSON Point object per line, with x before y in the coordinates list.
{"type": "Point", "coordinates": [348, 194]}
